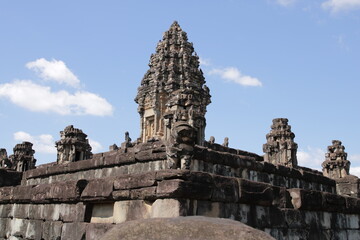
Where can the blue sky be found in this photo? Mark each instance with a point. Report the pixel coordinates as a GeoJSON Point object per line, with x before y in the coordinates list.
{"type": "Point", "coordinates": [80, 63]}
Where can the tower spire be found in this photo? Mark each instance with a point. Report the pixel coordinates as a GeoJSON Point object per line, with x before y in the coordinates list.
{"type": "Point", "coordinates": [173, 90]}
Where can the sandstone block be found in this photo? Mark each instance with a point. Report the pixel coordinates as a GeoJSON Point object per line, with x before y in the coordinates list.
{"type": "Point", "coordinates": [51, 212]}
{"type": "Point", "coordinates": [23, 193]}
{"type": "Point", "coordinates": [17, 227]}
{"type": "Point", "coordinates": [225, 190]}
{"type": "Point", "coordinates": [73, 231]}
{"type": "Point", "coordinates": [34, 229]}
{"type": "Point", "coordinates": [184, 189]}
{"type": "Point", "coordinates": [6, 194]}
{"type": "Point", "coordinates": [52, 230]}
{"type": "Point", "coordinates": [294, 218]}
{"type": "Point", "coordinates": [210, 209]}
{"type": "Point", "coordinates": [333, 202]}
{"type": "Point", "coordinates": [147, 193]}
{"type": "Point", "coordinates": [167, 208]}
{"type": "Point", "coordinates": [304, 199]}
{"type": "Point", "coordinates": [95, 231]}
{"type": "Point", "coordinates": [135, 181]}
{"type": "Point", "coordinates": [131, 210]}
{"type": "Point", "coordinates": [3, 226]}
{"type": "Point", "coordinates": [257, 193]}
{"type": "Point", "coordinates": [185, 228]}
{"type": "Point", "coordinates": [20, 210]}
{"type": "Point", "coordinates": [72, 212]}
{"type": "Point", "coordinates": [171, 174]}
{"type": "Point", "coordinates": [5, 210]}
{"type": "Point", "coordinates": [98, 188]}
{"type": "Point", "coordinates": [121, 195]}
{"type": "Point", "coordinates": [102, 213]}
{"type": "Point", "coordinates": [66, 191]}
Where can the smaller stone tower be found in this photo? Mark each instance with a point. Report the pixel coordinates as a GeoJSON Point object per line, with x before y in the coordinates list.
{"type": "Point", "coordinates": [280, 147]}
{"type": "Point", "coordinates": [336, 164]}
{"type": "Point", "coordinates": [23, 157]}
{"type": "Point", "coordinates": [4, 161]}
{"type": "Point", "coordinates": [73, 146]}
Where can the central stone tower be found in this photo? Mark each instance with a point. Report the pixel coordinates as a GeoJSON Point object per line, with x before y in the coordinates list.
{"type": "Point", "coordinates": [173, 93]}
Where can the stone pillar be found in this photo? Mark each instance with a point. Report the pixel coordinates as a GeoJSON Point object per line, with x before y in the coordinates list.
{"type": "Point", "coordinates": [280, 148]}
{"type": "Point", "coordinates": [73, 146]}
{"type": "Point", "coordinates": [336, 164]}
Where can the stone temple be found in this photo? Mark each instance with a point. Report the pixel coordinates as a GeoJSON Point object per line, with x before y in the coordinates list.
{"type": "Point", "coordinates": [171, 171]}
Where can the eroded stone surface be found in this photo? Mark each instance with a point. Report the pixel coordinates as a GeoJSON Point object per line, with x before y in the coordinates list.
{"type": "Point", "coordinates": [185, 228]}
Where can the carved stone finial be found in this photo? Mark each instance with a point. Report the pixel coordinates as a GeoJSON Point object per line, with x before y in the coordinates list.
{"type": "Point", "coordinates": [127, 142]}
{"type": "Point", "coordinates": [23, 157]}
{"type": "Point", "coordinates": [280, 147]}
{"type": "Point", "coordinates": [73, 145]}
{"type": "Point", "coordinates": [212, 140]}
{"type": "Point", "coordinates": [113, 147]}
{"type": "Point", "coordinates": [173, 89]}
{"type": "Point", "coordinates": [336, 164]}
{"type": "Point", "coordinates": [226, 142]}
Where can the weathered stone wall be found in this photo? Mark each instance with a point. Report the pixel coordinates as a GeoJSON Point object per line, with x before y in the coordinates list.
{"type": "Point", "coordinates": [9, 177]}
{"type": "Point", "coordinates": [48, 221]}
{"type": "Point", "coordinates": [152, 157]}
{"type": "Point", "coordinates": [85, 209]}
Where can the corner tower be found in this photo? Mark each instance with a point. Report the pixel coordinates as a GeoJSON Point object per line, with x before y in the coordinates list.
{"type": "Point", "coordinates": [173, 90]}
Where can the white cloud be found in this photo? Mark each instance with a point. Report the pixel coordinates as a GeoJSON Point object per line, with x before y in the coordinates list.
{"type": "Point", "coordinates": [341, 5]}
{"type": "Point", "coordinates": [233, 74]}
{"type": "Point", "coordinates": [355, 171]}
{"type": "Point", "coordinates": [311, 158]}
{"type": "Point", "coordinates": [355, 160]}
{"type": "Point", "coordinates": [96, 146]}
{"type": "Point", "coordinates": [55, 71]}
{"type": "Point", "coordinates": [37, 98]}
{"type": "Point", "coordinates": [285, 3]}
{"type": "Point", "coordinates": [42, 144]}
{"type": "Point", "coordinates": [45, 143]}
{"type": "Point", "coordinates": [342, 43]}
{"type": "Point", "coordinates": [204, 61]}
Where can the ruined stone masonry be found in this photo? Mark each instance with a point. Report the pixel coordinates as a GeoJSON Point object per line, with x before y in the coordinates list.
{"type": "Point", "coordinates": [172, 171]}
{"type": "Point", "coordinates": [73, 146]}
{"type": "Point", "coordinates": [280, 147]}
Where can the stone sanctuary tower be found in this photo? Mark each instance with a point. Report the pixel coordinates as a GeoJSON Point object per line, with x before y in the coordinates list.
{"type": "Point", "coordinates": [171, 180]}
{"type": "Point", "coordinates": [280, 147]}
{"type": "Point", "coordinates": [336, 164]}
{"type": "Point", "coordinates": [23, 157]}
{"type": "Point", "coordinates": [73, 146]}
{"type": "Point", "coordinates": [173, 94]}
